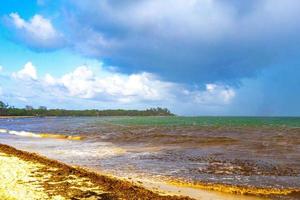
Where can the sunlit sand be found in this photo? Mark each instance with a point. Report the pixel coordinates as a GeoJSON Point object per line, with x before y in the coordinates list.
{"type": "Point", "coordinates": [29, 176]}
{"type": "Point", "coordinates": [25, 179]}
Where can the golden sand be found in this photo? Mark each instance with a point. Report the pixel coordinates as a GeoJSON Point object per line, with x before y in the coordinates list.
{"type": "Point", "coordinates": [28, 176]}
{"type": "Point", "coordinates": [17, 182]}
{"type": "Point", "coordinates": [242, 190]}
{"type": "Point", "coordinates": [31, 180]}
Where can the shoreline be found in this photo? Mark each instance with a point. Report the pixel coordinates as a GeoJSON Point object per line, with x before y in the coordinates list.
{"type": "Point", "coordinates": [51, 179]}
{"type": "Point", "coordinates": [61, 179]}
{"type": "Point", "coordinates": [128, 188]}
{"type": "Point", "coordinates": [64, 177]}
{"type": "Point", "coordinates": [13, 117]}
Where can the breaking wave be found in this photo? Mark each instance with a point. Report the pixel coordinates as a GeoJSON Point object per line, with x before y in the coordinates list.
{"type": "Point", "coordinates": [40, 135]}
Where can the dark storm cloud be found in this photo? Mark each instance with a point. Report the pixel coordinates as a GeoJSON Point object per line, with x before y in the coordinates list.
{"type": "Point", "coordinates": [191, 41]}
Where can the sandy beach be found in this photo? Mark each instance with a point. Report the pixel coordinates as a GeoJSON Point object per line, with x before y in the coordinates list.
{"type": "Point", "coordinates": [29, 176]}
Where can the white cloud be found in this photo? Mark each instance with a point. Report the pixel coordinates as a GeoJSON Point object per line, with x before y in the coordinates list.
{"type": "Point", "coordinates": [27, 73]}
{"type": "Point", "coordinates": [40, 27]}
{"type": "Point", "coordinates": [49, 80]}
{"type": "Point", "coordinates": [84, 83]}
{"type": "Point", "coordinates": [1, 68]}
{"type": "Point", "coordinates": [37, 32]}
{"type": "Point", "coordinates": [101, 85]}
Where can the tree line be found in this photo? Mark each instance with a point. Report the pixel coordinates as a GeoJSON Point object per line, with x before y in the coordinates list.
{"type": "Point", "coordinates": [6, 110]}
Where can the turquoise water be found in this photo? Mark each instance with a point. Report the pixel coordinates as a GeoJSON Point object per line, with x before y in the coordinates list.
{"type": "Point", "coordinates": [208, 121]}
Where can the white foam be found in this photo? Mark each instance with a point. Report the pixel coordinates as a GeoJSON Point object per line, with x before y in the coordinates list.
{"type": "Point", "coordinates": [3, 131]}
{"type": "Point", "coordinates": [23, 134]}
{"type": "Point", "coordinates": [39, 135]}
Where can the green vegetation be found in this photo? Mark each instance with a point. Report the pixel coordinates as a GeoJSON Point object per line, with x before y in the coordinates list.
{"type": "Point", "coordinates": [6, 110]}
{"type": "Point", "coordinates": [3, 108]}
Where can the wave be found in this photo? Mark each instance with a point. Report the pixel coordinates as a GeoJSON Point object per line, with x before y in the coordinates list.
{"type": "Point", "coordinates": [40, 135]}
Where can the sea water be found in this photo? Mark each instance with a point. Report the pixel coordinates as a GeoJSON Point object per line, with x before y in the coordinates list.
{"type": "Point", "coordinates": [260, 152]}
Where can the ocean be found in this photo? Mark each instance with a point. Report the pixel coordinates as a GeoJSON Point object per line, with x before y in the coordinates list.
{"type": "Point", "coordinates": [241, 152]}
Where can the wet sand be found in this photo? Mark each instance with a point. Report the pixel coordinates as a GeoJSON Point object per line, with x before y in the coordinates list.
{"type": "Point", "coordinates": [31, 176]}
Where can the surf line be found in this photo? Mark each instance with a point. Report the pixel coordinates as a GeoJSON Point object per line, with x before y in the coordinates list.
{"type": "Point", "coordinates": [41, 135]}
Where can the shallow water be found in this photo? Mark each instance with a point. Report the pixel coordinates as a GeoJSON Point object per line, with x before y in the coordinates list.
{"type": "Point", "coordinates": [243, 151]}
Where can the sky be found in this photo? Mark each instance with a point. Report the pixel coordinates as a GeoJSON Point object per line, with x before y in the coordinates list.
{"type": "Point", "coordinates": [195, 57]}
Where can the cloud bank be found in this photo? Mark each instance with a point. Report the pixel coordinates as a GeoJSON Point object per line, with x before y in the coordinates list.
{"type": "Point", "coordinates": [101, 85]}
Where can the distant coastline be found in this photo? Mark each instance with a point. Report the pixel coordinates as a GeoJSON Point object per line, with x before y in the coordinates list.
{"type": "Point", "coordinates": [29, 111]}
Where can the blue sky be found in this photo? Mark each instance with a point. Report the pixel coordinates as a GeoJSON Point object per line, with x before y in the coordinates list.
{"type": "Point", "coordinates": [196, 57]}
